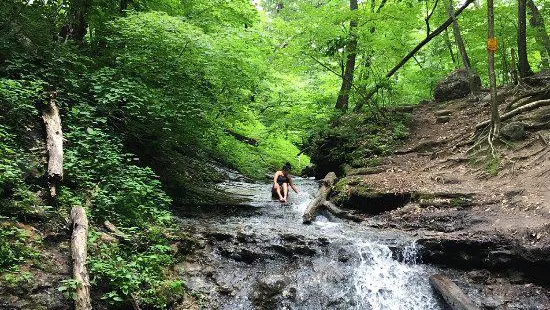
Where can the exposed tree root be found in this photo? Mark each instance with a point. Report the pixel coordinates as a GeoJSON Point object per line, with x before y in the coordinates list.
{"type": "Point", "coordinates": [526, 108]}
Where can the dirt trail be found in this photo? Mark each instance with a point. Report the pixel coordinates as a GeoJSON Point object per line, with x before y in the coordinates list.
{"type": "Point", "coordinates": [513, 197]}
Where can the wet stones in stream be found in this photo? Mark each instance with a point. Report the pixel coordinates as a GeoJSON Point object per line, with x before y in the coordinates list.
{"type": "Point", "coordinates": [270, 290]}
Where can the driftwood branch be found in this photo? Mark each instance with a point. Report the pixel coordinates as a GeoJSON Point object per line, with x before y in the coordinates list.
{"type": "Point", "coordinates": [320, 198]}
{"type": "Point", "coordinates": [320, 202]}
{"type": "Point", "coordinates": [526, 108]}
{"type": "Point", "coordinates": [332, 208]}
{"type": "Point", "coordinates": [452, 294]}
{"type": "Point", "coordinates": [79, 254]}
{"type": "Point", "coordinates": [54, 145]}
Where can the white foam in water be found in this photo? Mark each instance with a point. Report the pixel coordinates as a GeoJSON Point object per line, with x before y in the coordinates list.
{"type": "Point", "coordinates": [383, 283]}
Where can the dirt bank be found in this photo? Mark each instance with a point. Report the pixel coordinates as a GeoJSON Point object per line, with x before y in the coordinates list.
{"type": "Point", "coordinates": [469, 209]}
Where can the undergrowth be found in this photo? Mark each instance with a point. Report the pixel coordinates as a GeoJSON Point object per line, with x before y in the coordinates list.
{"type": "Point", "coordinates": [357, 140]}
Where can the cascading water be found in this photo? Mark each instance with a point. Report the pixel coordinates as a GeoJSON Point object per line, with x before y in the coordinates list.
{"type": "Point", "coordinates": [263, 257]}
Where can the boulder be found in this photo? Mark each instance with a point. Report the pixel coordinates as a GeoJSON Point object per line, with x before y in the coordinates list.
{"type": "Point", "coordinates": [514, 131]}
{"type": "Point", "coordinates": [267, 291]}
{"type": "Point", "coordinates": [456, 85]}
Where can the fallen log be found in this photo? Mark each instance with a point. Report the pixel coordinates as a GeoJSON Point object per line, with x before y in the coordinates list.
{"type": "Point", "coordinates": [451, 293]}
{"type": "Point", "coordinates": [509, 115]}
{"type": "Point", "coordinates": [54, 146]}
{"type": "Point", "coordinates": [79, 254]}
{"type": "Point", "coordinates": [320, 198]}
{"type": "Point", "coordinates": [332, 208]}
{"type": "Point", "coordinates": [242, 138]}
{"type": "Point", "coordinates": [116, 232]}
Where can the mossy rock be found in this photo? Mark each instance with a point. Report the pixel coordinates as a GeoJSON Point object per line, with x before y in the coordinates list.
{"type": "Point", "coordinates": [354, 193]}
{"type": "Point", "coordinates": [364, 171]}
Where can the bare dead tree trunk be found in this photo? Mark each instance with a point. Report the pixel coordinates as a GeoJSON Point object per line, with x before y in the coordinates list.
{"type": "Point", "coordinates": [524, 68]}
{"type": "Point", "coordinates": [451, 293]}
{"type": "Point", "coordinates": [351, 48]}
{"type": "Point", "coordinates": [472, 76]}
{"type": "Point", "coordinates": [541, 36]}
{"type": "Point", "coordinates": [79, 253]}
{"type": "Point", "coordinates": [320, 197]}
{"type": "Point", "coordinates": [491, 48]}
{"type": "Point", "coordinates": [54, 145]}
{"type": "Point", "coordinates": [432, 35]}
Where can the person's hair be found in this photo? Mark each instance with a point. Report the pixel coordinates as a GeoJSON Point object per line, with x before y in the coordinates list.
{"type": "Point", "coordinates": [287, 167]}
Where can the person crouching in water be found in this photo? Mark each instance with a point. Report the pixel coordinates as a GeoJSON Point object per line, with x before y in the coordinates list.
{"type": "Point", "coordinates": [281, 181]}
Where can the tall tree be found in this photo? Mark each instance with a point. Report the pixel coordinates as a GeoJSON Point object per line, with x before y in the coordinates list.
{"type": "Point", "coordinates": [541, 36]}
{"type": "Point", "coordinates": [491, 48]}
{"type": "Point", "coordinates": [472, 76]}
{"type": "Point", "coordinates": [77, 23]}
{"type": "Point", "coordinates": [351, 49]}
{"type": "Point", "coordinates": [524, 68]}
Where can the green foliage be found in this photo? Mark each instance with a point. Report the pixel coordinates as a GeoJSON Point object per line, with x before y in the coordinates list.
{"type": "Point", "coordinates": [106, 178]}
{"type": "Point", "coordinates": [151, 96]}
{"type": "Point", "coordinates": [17, 246]}
{"type": "Point", "coordinates": [493, 166]}
{"type": "Point", "coordinates": [68, 288]}
{"type": "Point", "coordinates": [357, 139]}
{"type": "Point", "coordinates": [129, 270]}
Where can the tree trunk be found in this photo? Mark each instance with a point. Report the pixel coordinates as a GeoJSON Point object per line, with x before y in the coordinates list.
{"type": "Point", "coordinates": [495, 120]}
{"type": "Point", "coordinates": [347, 79]}
{"type": "Point", "coordinates": [79, 254]}
{"type": "Point", "coordinates": [451, 293]}
{"type": "Point", "coordinates": [320, 198]}
{"type": "Point", "coordinates": [450, 47]}
{"type": "Point", "coordinates": [514, 66]}
{"type": "Point", "coordinates": [472, 76]}
{"type": "Point", "coordinates": [77, 25]}
{"type": "Point", "coordinates": [123, 6]}
{"type": "Point", "coordinates": [54, 146]}
{"type": "Point", "coordinates": [505, 65]}
{"type": "Point", "coordinates": [541, 36]}
{"type": "Point", "coordinates": [432, 35]}
{"type": "Point", "coordinates": [524, 68]}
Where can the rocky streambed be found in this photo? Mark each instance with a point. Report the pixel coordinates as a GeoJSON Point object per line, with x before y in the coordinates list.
{"type": "Point", "coordinates": [260, 256]}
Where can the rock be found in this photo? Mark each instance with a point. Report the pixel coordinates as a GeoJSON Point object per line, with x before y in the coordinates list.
{"type": "Point", "coordinates": [354, 194]}
{"type": "Point", "coordinates": [443, 119]}
{"type": "Point", "coordinates": [456, 85]}
{"type": "Point", "coordinates": [442, 113]}
{"type": "Point", "coordinates": [364, 171]}
{"type": "Point", "coordinates": [479, 276]}
{"type": "Point", "coordinates": [267, 290]}
{"type": "Point", "coordinates": [308, 171]}
{"type": "Point", "coordinates": [514, 131]}
{"type": "Point", "coordinates": [492, 302]}
{"type": "Point", "coordinates": [501, 95]}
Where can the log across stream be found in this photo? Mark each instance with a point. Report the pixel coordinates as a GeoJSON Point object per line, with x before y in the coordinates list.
{"type": "Point", "coordinates": [261, 256]}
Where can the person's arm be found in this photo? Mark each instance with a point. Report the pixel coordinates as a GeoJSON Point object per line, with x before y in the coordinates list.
{"type": "Point", "coordinates": [294, 188]}
{"type": "Point", "coordinates": [275, 180]}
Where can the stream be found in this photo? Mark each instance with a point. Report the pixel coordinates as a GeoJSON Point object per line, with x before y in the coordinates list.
{"type": "Point", "coordinates": [260, 256]}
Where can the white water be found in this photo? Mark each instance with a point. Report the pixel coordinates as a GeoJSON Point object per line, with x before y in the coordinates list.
{"type": "Point", "coordinates": [379, 281]}
{"type": "Point", "coordinates": [356, 269]}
